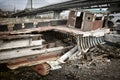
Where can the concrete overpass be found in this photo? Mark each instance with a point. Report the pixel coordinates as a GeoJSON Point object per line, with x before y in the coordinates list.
{"type": "Point", "coordinates": [83, 4]}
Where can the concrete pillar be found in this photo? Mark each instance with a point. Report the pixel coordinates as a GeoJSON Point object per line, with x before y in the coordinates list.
{"type": "Point", "coordinates": [56, 14]}
{"type": "Point", "coordinates": [114, 8]}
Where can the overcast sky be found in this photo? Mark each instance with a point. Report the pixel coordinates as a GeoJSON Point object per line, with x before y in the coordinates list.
{"type": "Point", "coordinates": [9, 5]}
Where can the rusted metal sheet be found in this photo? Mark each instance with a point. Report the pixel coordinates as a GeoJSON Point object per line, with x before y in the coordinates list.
{"type": "Point", "coordinates": [85, 21]}
{"type": "Point", "coordinates": [71, 19]}
{"type": "Point", "coordinates": [97, 24]}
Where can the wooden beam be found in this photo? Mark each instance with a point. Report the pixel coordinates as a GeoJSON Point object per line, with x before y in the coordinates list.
{"type": "Point", "coordinates": [20, 43]}
{"type": "Point", "coordinates": [10, 54]}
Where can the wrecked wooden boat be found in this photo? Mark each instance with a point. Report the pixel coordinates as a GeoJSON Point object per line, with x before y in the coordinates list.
{"type": "Point", "coordinates": [47, 44]}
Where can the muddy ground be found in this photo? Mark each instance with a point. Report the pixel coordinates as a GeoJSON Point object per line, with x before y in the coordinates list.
{"type": "Point", "coordinates": [105, 65]}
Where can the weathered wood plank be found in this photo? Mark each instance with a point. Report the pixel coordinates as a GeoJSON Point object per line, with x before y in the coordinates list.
{"type": "Point", "coordinates": [19, 43]}
{"type": "Point", "coordinates": [9, 54]}
{"type": "Point", "coordinates": [24, 36]}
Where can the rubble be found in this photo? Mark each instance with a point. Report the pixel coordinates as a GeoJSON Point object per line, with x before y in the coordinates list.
{"type": "Point", "coordinates": [101, 67]}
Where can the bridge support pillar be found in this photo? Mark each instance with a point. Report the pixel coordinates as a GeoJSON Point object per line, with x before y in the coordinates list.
{"type": "Point", "coordinates": [114, 8]}
{"type": "Point", "coordinates": [56, 14]}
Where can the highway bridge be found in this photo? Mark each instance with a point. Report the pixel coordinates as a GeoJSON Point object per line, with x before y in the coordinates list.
{"type": "Point", "coordinates": [83, 4]}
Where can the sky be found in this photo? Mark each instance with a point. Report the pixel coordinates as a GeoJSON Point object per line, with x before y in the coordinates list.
{"type": "Point", "coordinates": [10, 5]}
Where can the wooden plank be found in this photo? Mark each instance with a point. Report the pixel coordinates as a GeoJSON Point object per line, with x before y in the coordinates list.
{"type": "Point", "coordinates": [59, 28]}
{"type": "Point", "coordinates": [33, 60]}
{"type": "Point", "coordinates": [9, 54]}
{"type": "Point", "coordinates": [24, 36]}
{"type": "Point", "coordinates": [19, 43]}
